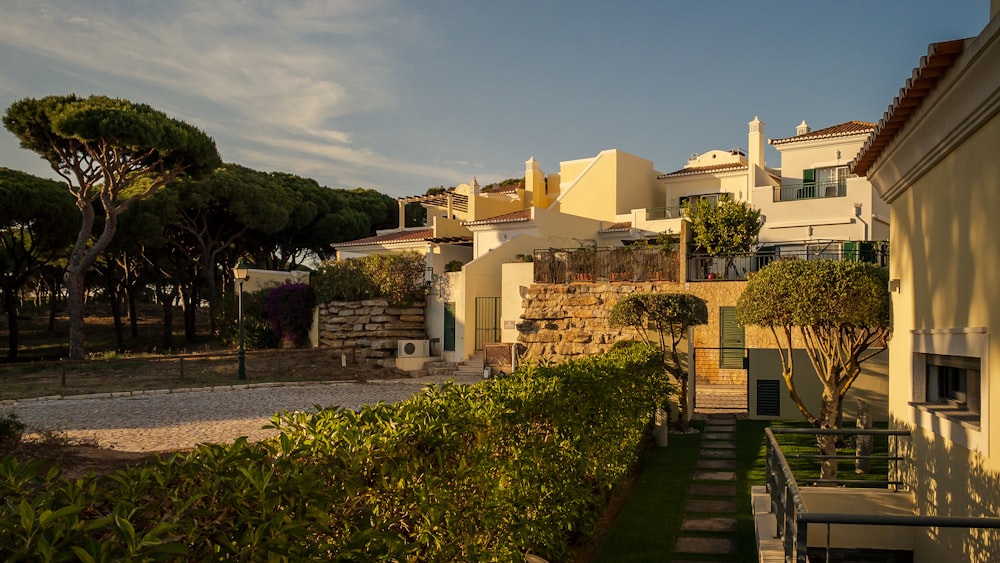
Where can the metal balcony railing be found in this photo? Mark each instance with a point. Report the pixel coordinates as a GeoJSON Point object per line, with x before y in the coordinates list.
{"type": "Point", "coordinates": [792, 516]}
{"type": "Point", "coordinates": [655, 213]}
{"type": "Point", "coordinates": [615, 264]}
{"type": "Point", "coordinates": [810, 190]}
{"type": "Point", "coordinates": [702, 267]}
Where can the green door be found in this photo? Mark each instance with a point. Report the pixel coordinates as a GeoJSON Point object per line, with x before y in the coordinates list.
{"type": "Point", "coordinates": [449, 327]}
{"type": "Point", "coordinates": [732, 339]}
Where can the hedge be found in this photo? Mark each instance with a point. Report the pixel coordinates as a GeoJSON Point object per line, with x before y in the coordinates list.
{"type": "Point", "coordinates": [485, 472]}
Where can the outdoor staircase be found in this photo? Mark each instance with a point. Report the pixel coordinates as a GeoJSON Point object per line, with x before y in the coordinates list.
{"type": "Point", "coordinates": [472, 367]}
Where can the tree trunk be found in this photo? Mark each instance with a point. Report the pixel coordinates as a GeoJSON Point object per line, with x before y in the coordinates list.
{"type": "Point", "coordinates": [75, 282]}
{"type": "Point", "coordinates": [828, 442]}
{"type": "Point", "coordinates": [167, 302]}
{"type": "Point", "coordinates": [10, 303]}
{"type": "Point", "coordinates": [116, 309]}
{"type": "Point", "coordinates": [53, 295]}
{"type": "Point", "coordinates": [133, 314]}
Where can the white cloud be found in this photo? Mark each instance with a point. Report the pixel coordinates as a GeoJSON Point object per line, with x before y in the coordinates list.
{"type": "Point", "coordinates": [278, 75]}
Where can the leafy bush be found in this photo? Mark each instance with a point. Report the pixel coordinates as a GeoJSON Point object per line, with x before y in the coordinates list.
{"type": "Point", "coordinates": [454, 266]}
{"type": "Point", "coordinates": [256, 325]}
{"type": "Point", "coordinates": [485, 472]}
{"type": "Point", "coordinates": [290, 310]}
{"type": "Point", "coordinates": [11, 431]}
{"type": "Point", "coordinates": [396, 277]}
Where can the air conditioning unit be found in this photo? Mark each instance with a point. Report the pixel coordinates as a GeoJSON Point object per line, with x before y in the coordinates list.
{"type": "Point", "coordinates": [413, 349]}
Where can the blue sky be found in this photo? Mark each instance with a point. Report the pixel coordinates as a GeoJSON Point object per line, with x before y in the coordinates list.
{"type": "Point", "coordinates": [402, 96]}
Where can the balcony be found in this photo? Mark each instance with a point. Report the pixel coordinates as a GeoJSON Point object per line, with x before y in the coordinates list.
{"type": "Point", "coordinates": [731, 267]}
{"type": "Point", "coordinates": [614, 264]}
{"type": "Point", "coordinates": [657, 213]}
{"type": "Point", "coordinates": [810, 190]}
{"type": "Point", "coordinates": [843, 522]}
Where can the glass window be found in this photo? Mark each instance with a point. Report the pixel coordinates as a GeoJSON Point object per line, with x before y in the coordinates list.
{"type": "Point", "coordinates": [954, 380]}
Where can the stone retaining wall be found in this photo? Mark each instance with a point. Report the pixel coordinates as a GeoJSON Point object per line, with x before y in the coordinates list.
{"type": "Point", "coordinates": [561, 321]}
{"type": "Point", "coordinates": [369, 331]}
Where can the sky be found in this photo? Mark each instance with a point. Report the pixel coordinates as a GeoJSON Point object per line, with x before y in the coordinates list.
{"type": "Point", "coordinates": [402, 96]}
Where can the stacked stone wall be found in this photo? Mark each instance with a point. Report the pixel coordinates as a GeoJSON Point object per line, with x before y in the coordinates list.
{"type": "Point", "coordinates": [562, 321]}
{"type": "Point", "coordinates": [369, 331]}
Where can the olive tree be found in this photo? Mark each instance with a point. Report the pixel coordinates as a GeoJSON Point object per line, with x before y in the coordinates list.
{"type": "Point", "coordinates": [111, 153]}
{"type": "Point", "coordinates": [839, 311]}
{"type": "Point", "coordinates": [671, 315]}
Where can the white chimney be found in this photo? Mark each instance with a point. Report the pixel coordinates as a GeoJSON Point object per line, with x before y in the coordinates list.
{"type": "Point", "coordinates": [755, 143]}
{"type": "Point", "coordinates": [802, 129]}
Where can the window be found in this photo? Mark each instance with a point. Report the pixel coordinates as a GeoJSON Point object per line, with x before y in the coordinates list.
{"type": "Point", "coordinates": [824, 182]}
{"type": "Point", "coordinates": [950, 368]}
{"type": "Point", "coordinates": [953, 381]}
{"type": "Point", "coordinates": [711, 198]}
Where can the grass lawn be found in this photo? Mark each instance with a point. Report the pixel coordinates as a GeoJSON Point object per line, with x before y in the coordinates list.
{"type": "Point", "coordinates": [647, 526]}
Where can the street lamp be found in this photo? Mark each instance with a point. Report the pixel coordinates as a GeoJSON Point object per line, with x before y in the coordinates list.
{"type": "Point", "coordinates": [241, 274]}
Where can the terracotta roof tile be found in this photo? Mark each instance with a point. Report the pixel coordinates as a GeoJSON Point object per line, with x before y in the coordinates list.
{"type": "Point", "coordinates": [395, 237]}
{"type": "Point", "coordinates": [514, 217]}
{"type": "Point", "coordinates": [732, 166]}
{"type": "Point", "coordinates": [841, 130]}
{"type": "Point", "coordinates": [508, 189]}
{"type": "Point", "coordinates": [623, 227]}
{"type": "Point", "coordinates": [933, 67]}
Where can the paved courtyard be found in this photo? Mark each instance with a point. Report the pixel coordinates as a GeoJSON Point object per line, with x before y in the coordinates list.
{"type": "Point", "coordinates": [155, 421]}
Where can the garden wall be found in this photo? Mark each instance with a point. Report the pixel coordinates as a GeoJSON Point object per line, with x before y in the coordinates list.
{"type": "Point", "coordinates": [368, 331]}
{"type": "Point", "coordinates": [562, 321]}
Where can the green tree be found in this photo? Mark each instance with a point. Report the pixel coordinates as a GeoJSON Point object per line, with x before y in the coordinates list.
{"type": "Point", "coordinates": [111, 153]}
{"type": "Point", "coordinates": [671, 315]}
{"type": "Point", "coordinates": [839, 310]}
{"type": "Point", "coordinates": [211, 216]}
{"type": "Point", "coordinates": [724, 228]}
{"type": "Point", "coordinates": [34, 216]}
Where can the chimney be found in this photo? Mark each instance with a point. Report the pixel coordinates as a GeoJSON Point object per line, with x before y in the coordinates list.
{"type": "Point", "coordinates": [755, 143]}
{"type": "Point", "coordinates": [802, 129]}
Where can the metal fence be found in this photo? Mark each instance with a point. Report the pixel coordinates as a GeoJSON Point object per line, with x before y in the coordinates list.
{"type": "Point", "coordinates": [613, 264]}
{"type": "Point", "coordinates": [810, 190]}
{"type": "Point", "coordinates": [702, 267]}
{"type": "Point", "coordinates": [793, 517]}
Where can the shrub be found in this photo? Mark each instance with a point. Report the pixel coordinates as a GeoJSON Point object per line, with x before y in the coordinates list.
{"type": "Point", "coordinates": [483, 472]}
{"type": "Point", "coordinates": [11, 431]}
{"type": "Point", "coordinates": [400, 278]}
{"type": "Point", "coordinates": [290, 311]}
{"type": "Point", "coordinates": [454, 266]}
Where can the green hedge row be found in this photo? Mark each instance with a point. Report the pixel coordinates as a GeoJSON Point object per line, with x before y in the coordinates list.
{"type": "Point", "coordinates": [487, 472]}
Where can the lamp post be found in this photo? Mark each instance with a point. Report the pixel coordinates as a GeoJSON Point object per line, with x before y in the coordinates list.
{"type": "Point", "coordinates": [241, 274]}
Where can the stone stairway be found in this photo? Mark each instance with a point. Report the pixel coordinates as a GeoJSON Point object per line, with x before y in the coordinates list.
{"type": "Point", "coordinates": [470, 367]}
{"type": "Point", "coordinates": [709, 524]}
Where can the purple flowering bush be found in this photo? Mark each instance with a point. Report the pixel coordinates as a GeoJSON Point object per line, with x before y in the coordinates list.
{"type": "Point", "coordinates": [290, 311]}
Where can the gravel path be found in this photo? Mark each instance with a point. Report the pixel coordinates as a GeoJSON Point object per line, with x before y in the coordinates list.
{"type": "Point", "coordinates": [156, 421]}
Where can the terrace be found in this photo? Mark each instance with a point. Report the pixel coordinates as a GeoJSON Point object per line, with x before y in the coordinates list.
{"type": "Point", "coordinates": [859, 519]}
{"type": "Point", "coordinates": [702, 267]}
{"type": "Point", "coordinates": [811, 190]}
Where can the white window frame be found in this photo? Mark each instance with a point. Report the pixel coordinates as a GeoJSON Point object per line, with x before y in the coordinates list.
{"type": "Point", "coordinates": [940, 418]}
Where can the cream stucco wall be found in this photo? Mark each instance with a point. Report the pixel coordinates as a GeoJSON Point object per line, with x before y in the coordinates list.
{"type": "Point", "coordinates": [517, 278]}
{"type": "Point", "coordinates": [734, 183]}
{"type": "Point", "coordinates": [940, 174]}
{"type": "Point", "coordinates": [871, 386]}
{"type": "Point", "coordinates": [860, 215]}
{"type": "Point", "coordinates": [606, 185]}
{"type": "Point", "coordinates": [942, 244]}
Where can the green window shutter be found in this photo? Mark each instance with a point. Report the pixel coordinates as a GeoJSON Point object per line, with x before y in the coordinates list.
{"type": "Point", "coordinates": [809, 176]}
{"type": "Point", "coordinates": [732, 339]}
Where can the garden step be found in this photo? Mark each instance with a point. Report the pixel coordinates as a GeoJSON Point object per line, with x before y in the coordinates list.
{"type": "Point", "coordinates": [714, 475]}
{"type": "Point", "coordinates": [708, 524]}
{"type": "Point", "coordinates": [706, 546]}
{"type": "Point", "coordinates": [710, 490]}
{"type": "Point", "coordinates": [711, 506]}
{"type": "Point", "coordinates": [716, 464]}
